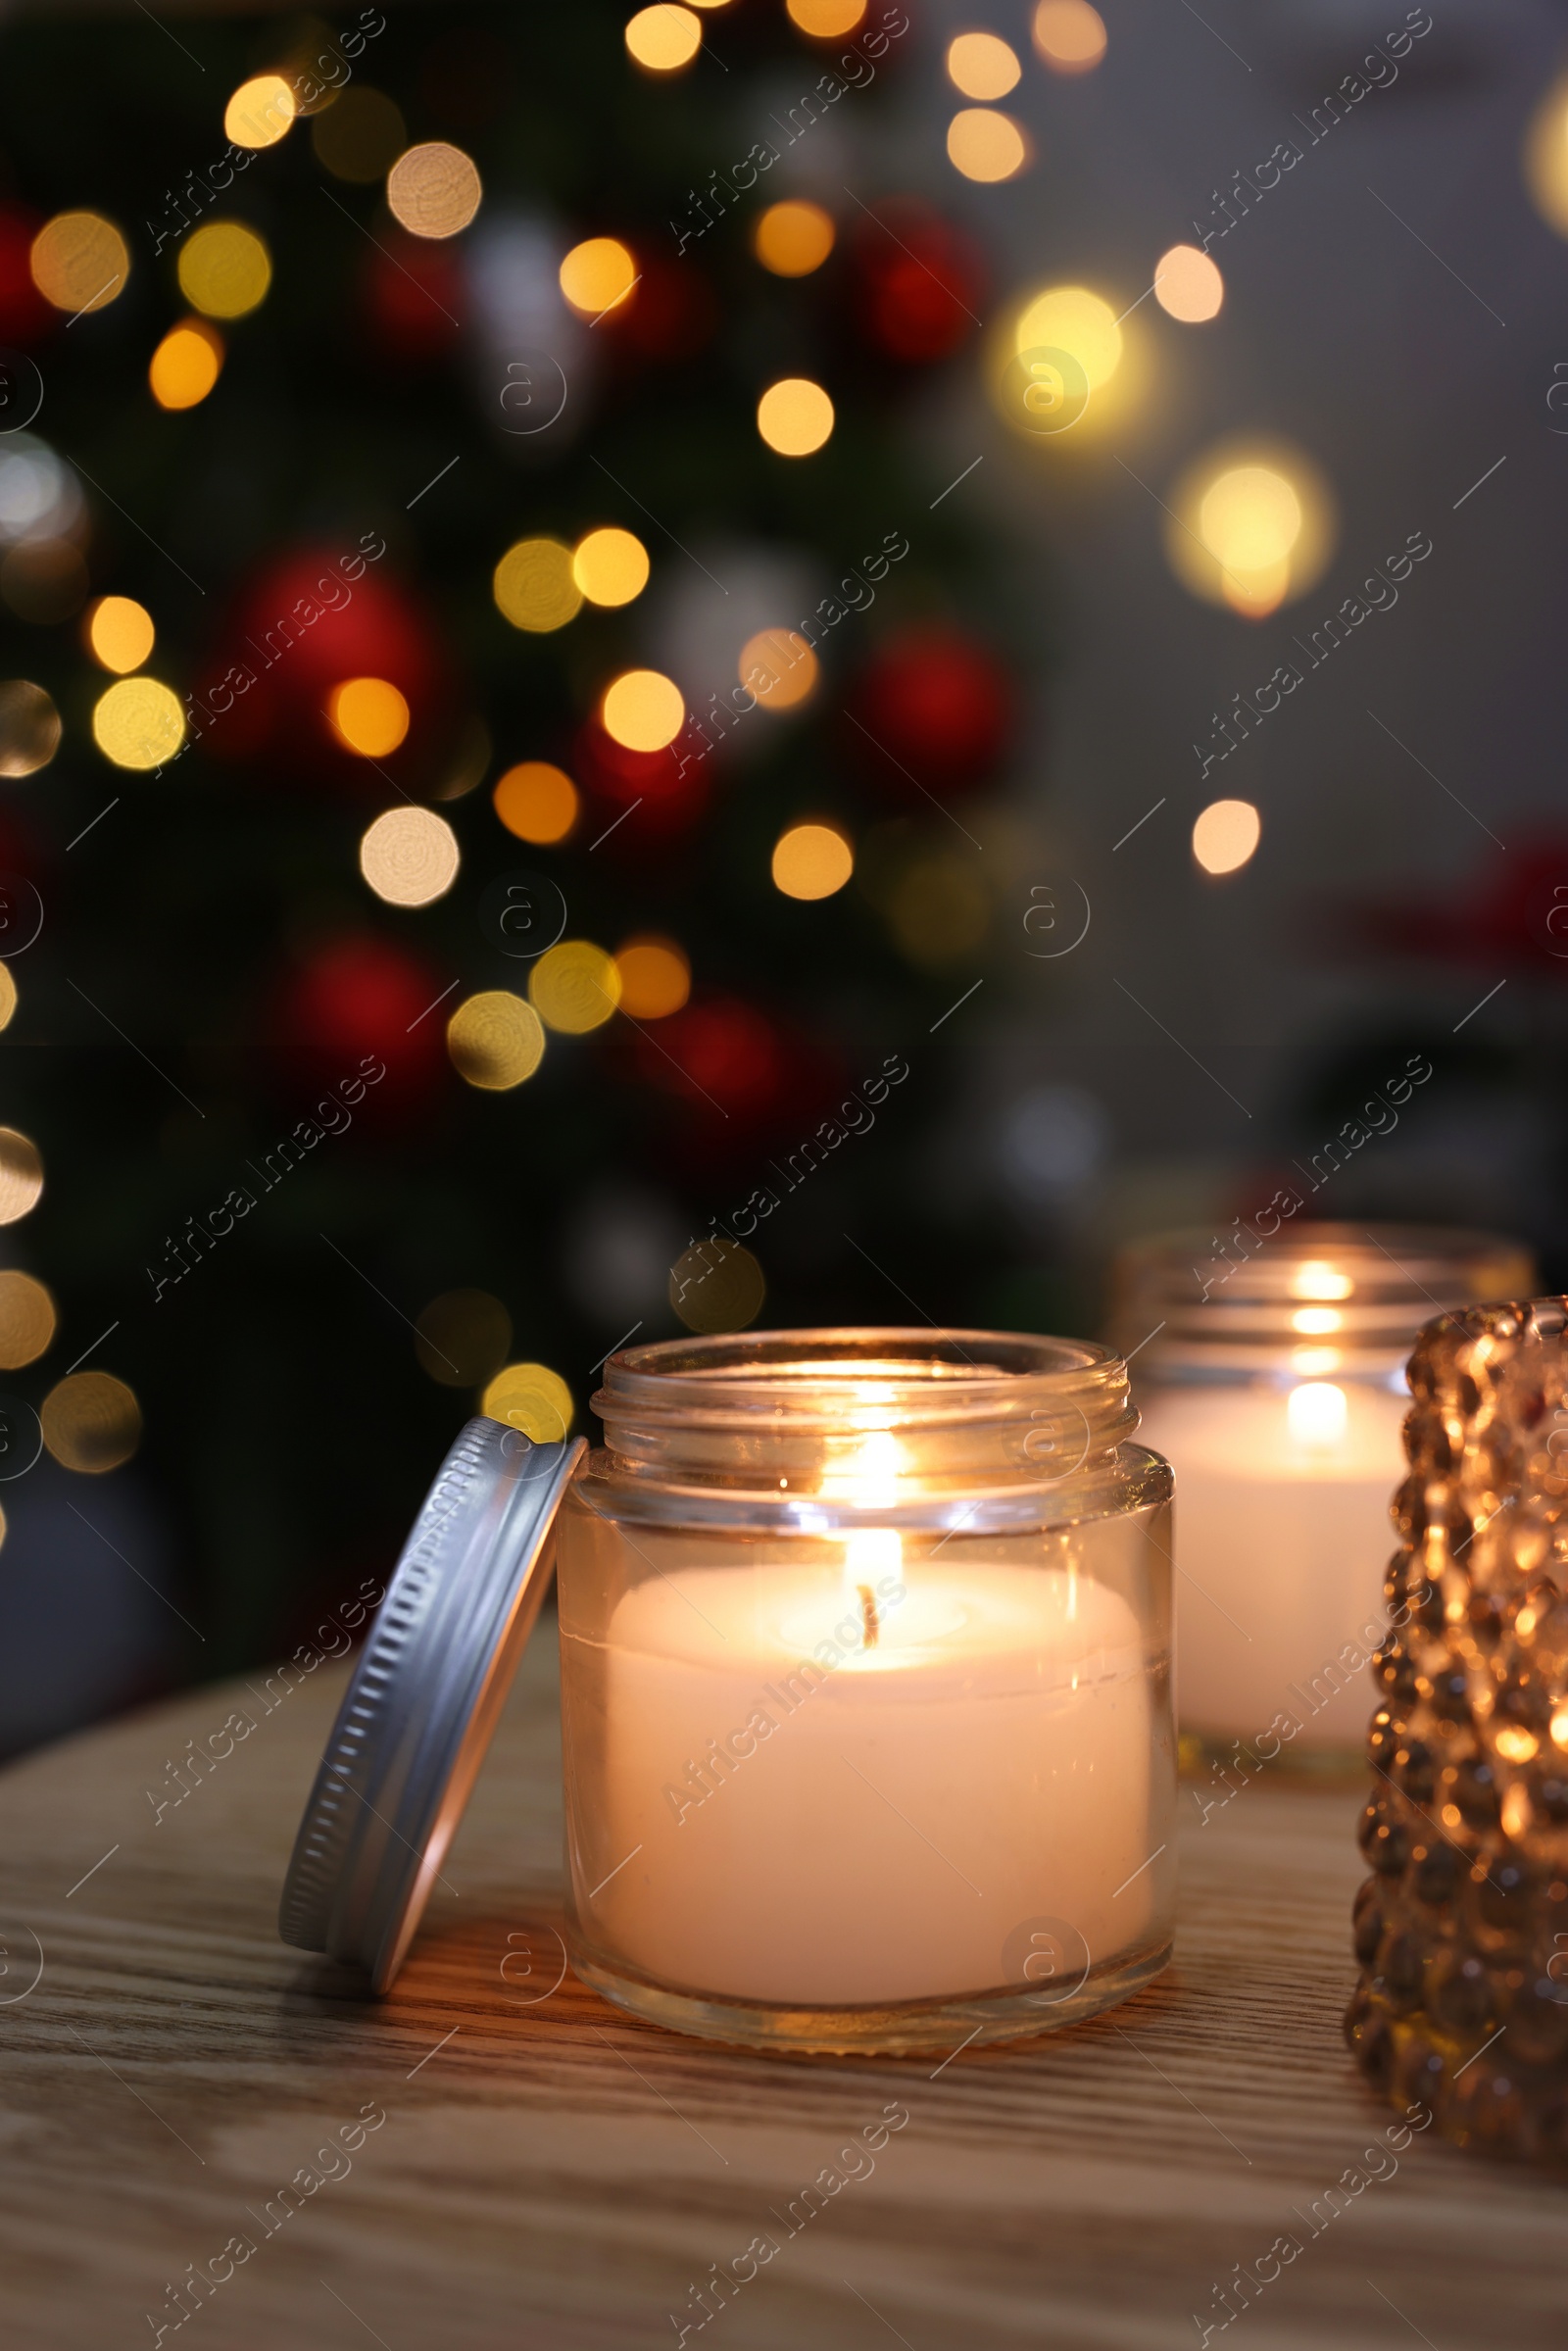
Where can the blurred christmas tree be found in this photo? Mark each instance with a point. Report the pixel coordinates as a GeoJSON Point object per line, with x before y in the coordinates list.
{"type": "Point", "coordinates": [449, 925]}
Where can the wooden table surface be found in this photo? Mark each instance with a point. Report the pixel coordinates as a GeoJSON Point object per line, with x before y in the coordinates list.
{"type": "Point", "coordinates": [549, 2172]}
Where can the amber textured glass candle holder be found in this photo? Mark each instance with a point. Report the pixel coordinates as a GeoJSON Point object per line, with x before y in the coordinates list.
{"type": "Point", "coordinates": [1462, 1928]}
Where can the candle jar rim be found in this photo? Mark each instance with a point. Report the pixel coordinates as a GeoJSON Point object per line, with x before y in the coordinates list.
{"type": "Point", "coordinates": [853, 1420]}
{"type": "Point", "coordinates": [804, 1377]}
{"type": "Point", "coordinates": [1358, 1291]}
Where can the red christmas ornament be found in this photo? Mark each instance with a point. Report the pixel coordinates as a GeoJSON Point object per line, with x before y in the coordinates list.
{"type": "Point", "coordinates": [310, 622]}
{"type": "Point", "coordinates": [356, 1003]}
{"type": "Point", "coordinates": [25, 315]}
{"type": "Point", "coordinates": [748, 1085]}
{"type": "Point", "coordinates": [917, 283]}
{"type": "Point", "coordinates": [659, 793]}
{"type": "Point", "coordinates": [934, 703]}
{"type": "Point", "coordinates": [722, 1057]}
{"type": "Point", "coordinates": [412, 297]}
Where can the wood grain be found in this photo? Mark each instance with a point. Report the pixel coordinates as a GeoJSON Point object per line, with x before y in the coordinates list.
{"type": "Point", "coordinates": [550, 2174]}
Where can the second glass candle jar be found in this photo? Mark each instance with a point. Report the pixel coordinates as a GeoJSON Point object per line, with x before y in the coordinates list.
{"type": "Point", "coordinates": [1275, 1385]}
{"type": "Point", "coordinates": [865, 1689]}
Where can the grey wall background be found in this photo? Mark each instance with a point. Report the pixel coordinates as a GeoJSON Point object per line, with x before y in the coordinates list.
{"type": "Point", "coordinates": [1408, 361]}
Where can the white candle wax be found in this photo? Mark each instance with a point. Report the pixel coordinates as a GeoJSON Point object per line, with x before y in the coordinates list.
{"type": "Point", "coordinates": [872, 1830]}
{"type": "Point", "coordinates": [1282, 1542]}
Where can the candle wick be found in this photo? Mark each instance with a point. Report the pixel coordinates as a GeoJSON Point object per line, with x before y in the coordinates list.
{"type": "Point", "coordinates": [870, 1627]}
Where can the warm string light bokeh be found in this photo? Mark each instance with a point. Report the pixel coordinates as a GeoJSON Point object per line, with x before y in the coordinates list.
{"type": "Point", "coordinates": [537, 802]}
{"type": "Point", "coordinates": [81, 261]}
{"type": "Point", "coordinates": [120, 633]}
{"type": "Point", "coordinates": [795, 416]}
{"type": "Point", "coordinates": [410, 857]}
{"type": "Point", "coordinates": [186, 365]}
{"type": "Point", "coordinates": [794, 237]}
{"type": "Point", "coordinates": [663, 38]}
{"type": "Point", "coordinates": [539, 584]}
{"type": "Point", "coordinates": [225, 269]}
{"type": "Point", "coordinates": [1225, 835]}
{"type": "Point", "coordinates": [597, 276]}
{"type": "Point", "coordinates": [260, 112]}
{"type": "Point", "coordinates": [407, 856]}
{"type": "Point", "coordinates": [30, 728]}
{"type": "Point", "coordinates": [433, 190]}
{"type": "Point", "coordinates": [811, 860]}
{"type": "Point", "coordinates": [369, 715]}
{"type": "Point", "coordinates": [643, 710]}
{"type": "Point", "coordinates": [987, 145]}
{"type": "Point", "coordinates": [1254, 528]}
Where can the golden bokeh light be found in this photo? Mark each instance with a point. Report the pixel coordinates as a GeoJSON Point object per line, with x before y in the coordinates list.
{"type": "Point", "coordinates": [225, 269]}
{"type": "Point", "coordinates": [656, 978]}
{"type": "Point", "coordinates": [433, 190]}
{"type": "Point", "coordinates": [30, 728]}
{"type": "Point", "coordinates": [1249, 519]}
{"type": "Point", "coordinates": [811, 860]}
{"type": "Point", "coordinates": [717, 1285]}
{"type": "Point", "coordinates": [795, 415]}
{"type": "Point", "coordinates": [537, 802]}
{"type": "Point", "coordinates": [597, 276]}
{"type": "Point", "coordinates": [8, 995]}
{"type": "Point", "coordinates": [1188, 285]}
{"type": "Point", "coordinates": [534, 586]}
{"type": "Point", "coordinates": [91, 1422]}
{"type": "Point", "coordinates": [360, 138]}
{"type": "Point", "coordinates": [186, 365]}
{"type": "Point", "coordinates": [26, 1319]}
{"type": "Point", "coordinates": [1249, 524]}
{"type": "Point", "coordinates": [1073, 320]}
{"type": "Point", "coordinates": [1069, 36]}
{"type": "Point", "coordinates": [495, 1040]}
{"type": "Point", "coordinates": [985, 145]}
{"type": "Point", "coordinates": [663, 38]}
{"type": "Point", "coordinates": [643, 710]}
{"type": "Point", "coordinates": [410, 857]}
{"type": "Point", "coordinates": [793, 238]}
{"type": "Point", "coordinates": [980, 66]}
{"type": "Point", "coordinates": [20, 1175]}
{"type": "Point", "coordinates": [530, 1398]}
{"type": "Point", "coordinates": [1545, 158]}
{"type": "Point", "coordinates": [260, 112]}
{"type": "Point", "coordinates": [610, 566]}
{"type": "Point", "coordinates": [120, 633]}
{"type": "Point", "coordinates": [574, 987]}
{"type": "Point", "coordinates": [1223, 839]}
{"type": "Point", "coordinates": [369, 716]}
{"type": "Point", "coordinates": [79, 262]}
{"type": "Point", "coordinates": [779, 667]}
{"type": "Point", "coordinates": [462, 1338]}
{"type": "Point", "coordinates": [138, 723]}
{"type": "Point", "coordinates": [825, 19]}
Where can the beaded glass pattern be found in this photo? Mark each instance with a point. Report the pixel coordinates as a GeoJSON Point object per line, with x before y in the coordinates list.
{"type": "Point", "coordinates": [1462, 1928]}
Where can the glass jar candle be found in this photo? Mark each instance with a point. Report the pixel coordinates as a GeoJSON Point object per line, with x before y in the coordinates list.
{"type": "Point", "coordinates": [866, 1706]}
{"type": "Point", "coordinates": [1274, 1383]}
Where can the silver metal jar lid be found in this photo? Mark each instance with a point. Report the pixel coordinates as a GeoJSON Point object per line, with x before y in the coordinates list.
{"type": "Point", "coordinates": [423, 1701]}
